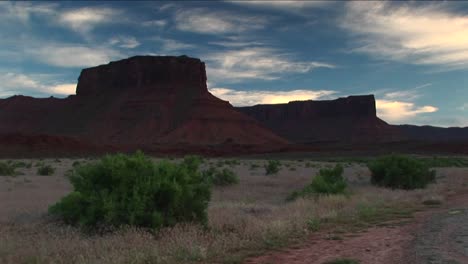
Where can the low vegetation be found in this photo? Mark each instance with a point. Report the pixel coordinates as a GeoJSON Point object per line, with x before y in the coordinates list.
{"type": "Point", "coordinates": [132, 190]}
{"type": "Point", "coordinates": [401, 172]}
{"type": "Point", "coordinates": [242, 220]}
{"type": "Point", "coordinates": [272, 167]}
{"type": "Point", "coordinates": [45, 170]}
{"type": "Point", "coordinates": [7, 169]}
{"type": "Point", "coordinates": [327, 181]}
{"type": "Point", "coordinates": [221, 177]}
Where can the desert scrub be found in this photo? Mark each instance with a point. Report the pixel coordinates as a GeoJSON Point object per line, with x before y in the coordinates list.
{"type": "Point", "coordinates": [132, 190]}
{"type": "Point", "coordinates": [445, 162]}
{"type": "Point", "coordinates": [327, 181]}
{"type": "Point", "coordinates": [45, 170]}
{"type": "Point", "coordinates": [221, 177]}
{"type": "Point", "coordinates": [272, 167]}
{"type": "Point", "coordinates": [7, 169]}
{"type": "Point", "coordinates": [400, 172]}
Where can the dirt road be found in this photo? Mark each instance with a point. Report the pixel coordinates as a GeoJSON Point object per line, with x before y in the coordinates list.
{"type": "Point", "coordinates": [438, 236]}
{"type": "Point", "coordinates": [443, 237]}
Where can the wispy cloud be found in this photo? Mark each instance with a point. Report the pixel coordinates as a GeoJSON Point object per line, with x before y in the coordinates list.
{"type": "Point", "coordinates": [287, 6]}
{"type": "Point", "coordinates": [126, 42]}
{"type": "Point", "coordinates": [171, 45]}
{"type": "Point", "coordinates": [407, 94]}
{"type": "Point", "coordinates": [247, 98]}
{"type": "Point", "coordinates": [155, 23]}
{"type": "Point", "coordinates": [22, 11]}
{"type": "Point", "coordinates": [16, 83]}
{"type": "Point", "coordinates": [424, 34]}
{"type": "Point", "coordinates": [63, 55]}
{"type": "Point", "coordinates": [85, 19]}
{"type": "Point", "coordinates": [255, 63]}
{"type": "Point", "coordinates": [205, 21]}
{"type": "Point", "coordinates": [463, 107]}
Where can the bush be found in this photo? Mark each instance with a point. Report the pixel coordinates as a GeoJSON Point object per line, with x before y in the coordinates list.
{"type": "Point", "coordinates": [132, 190]}
{"type": "Point", "coordinates": [7, 169]}
{"type": "Point", "coordinates": [45, 170]}
{"type": "Point", "coordinates": [400, 172]}
{"type": "Point", "coordinates": [222, 177]}
{"type": "Point", "coordinates": [272, 167]}
{"type": "Point", "coordinates": [327, 181]}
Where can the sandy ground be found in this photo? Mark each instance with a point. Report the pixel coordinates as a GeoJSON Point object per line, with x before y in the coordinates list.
{"type": "Point", "coordinates": [24, 199]}
{"type": "Point", "coordinates": [436, 236]}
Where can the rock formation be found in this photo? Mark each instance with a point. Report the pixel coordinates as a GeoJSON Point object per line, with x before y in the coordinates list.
{"type": "Point", "coordinates": [347, 120]}
{"type": "Point", "coordinates": [139, 102]}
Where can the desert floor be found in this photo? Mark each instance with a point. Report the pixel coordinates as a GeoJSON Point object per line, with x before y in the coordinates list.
{"type": "Point", "coordinates": [251, 222]}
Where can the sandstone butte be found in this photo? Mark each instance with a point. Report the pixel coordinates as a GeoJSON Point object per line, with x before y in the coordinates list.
{"type": "Point", "coordinates": [143, 102]}
{"type": "Point", "coordinates": [161, 104]}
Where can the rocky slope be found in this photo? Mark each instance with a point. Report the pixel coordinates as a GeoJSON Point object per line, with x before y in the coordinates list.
{"type": "Point", "coordinates": [345, 120]}
{"type": "Point", "coordinates": [143, 101]}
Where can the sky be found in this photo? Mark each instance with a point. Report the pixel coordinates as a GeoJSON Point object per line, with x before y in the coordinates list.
{"type": "Point", "coordinates": [413, 56]}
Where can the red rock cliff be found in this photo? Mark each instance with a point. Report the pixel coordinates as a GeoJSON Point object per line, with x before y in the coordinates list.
{"type": "Point", "coordinates": [140, 101]}
{"type": "Point", "coordinates": [350, 119]}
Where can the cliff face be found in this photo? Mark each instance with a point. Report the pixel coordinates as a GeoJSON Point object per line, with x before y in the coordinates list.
{"type": "Point", "coordinates": [352, 119]}
{"type": "Point", "coordinates": [141, 101]}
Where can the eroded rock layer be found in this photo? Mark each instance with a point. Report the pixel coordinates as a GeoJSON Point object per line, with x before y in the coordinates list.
{"type": "Point", "coordinates": [143, 101]}
{"type": "Point", "coordinates": [351, 119]}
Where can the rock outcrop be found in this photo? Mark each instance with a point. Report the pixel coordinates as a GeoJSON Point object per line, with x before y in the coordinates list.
{"type": "Point", "coordinates": [345, 120]}
{"type": "Point", "coordinates": [139, 102]}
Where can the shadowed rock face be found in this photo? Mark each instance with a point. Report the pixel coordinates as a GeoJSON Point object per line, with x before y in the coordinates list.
{"type": "Point", "coordinates": [141, 101]}
{"type": "Point", "coordinates": [351, 119]}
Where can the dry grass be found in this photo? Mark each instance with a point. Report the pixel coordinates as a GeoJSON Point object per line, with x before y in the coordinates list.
{"type": "Point", "coordinates": [244, 219]}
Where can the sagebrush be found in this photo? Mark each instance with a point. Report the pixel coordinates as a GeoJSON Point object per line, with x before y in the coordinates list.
{"type": "Point", "coordinates": [221, 177]}
{"type": "Point", "coordinates": [400, 172]}
{"type": "Point", "coordinates": [132, 190]}
{"type": "Point", "coordinates": [45, 170]}
{"type": "Point", "coordinates": [272, 167]}
{"type": "Point", "coordinates": [327, 181]}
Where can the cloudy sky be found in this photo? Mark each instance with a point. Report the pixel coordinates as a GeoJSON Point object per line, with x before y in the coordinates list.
{"type": "Point", "coordinates": [412, 56]}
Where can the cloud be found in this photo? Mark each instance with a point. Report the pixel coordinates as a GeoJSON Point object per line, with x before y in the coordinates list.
{"type": "Point", "coordinates": [407, 95]}
{"type": "Point", "coordinates": [65, 89]}
{"type": "Point", "coordinates": [85, 19]}
{"type": "Point", "coordinates": [463, 107]}
{"type": "Point", "coordinates": [155, 23]}
{"type": "Point", "coordinates": [247, 98]}
{"type": "Point", "coordinates": [398, 111]}
{"type": "Point", "coordinates": [73, 56]}
{"type": "Point", "coordinates": [423, 34]}
{"type": "Point", "coordinates": [171, 45]}
{"type": "Point", "coordinates": [255, 63]}
{"type": "Point", "coordinates": [207, 21]}
{"type": "Point", "coordinates": [22, 11]}
{"type": "Point", "coordinates": [16, 83]}
{"type": "Point", "coordinates": [288, 6]}
{"type": "Point", "coordinates": [125, 42]}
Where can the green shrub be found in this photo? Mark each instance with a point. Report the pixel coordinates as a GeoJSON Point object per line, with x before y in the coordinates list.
{"type": "Point", "coordinates": [45, 170]}
{"type": "Point", "coordinates": [132, 190]}
{"type": "Point", "coordinates": [327, 181]}
{"type": "Point", "coordinates": [20, 164]}
{"type": "Point", "coordinates": [222, 177]}
{"type": "Point", "coordinates": [7, 169]}
{"type": "Point", "coordinates": [400, 172]}
{"type": "Point", "coordinates": [76, 163]}
{"type": "Point", "coordinates": [232, 162]}
{"type": "Point", "coordinates": [254, 166]}
{"type": "Point", "coordinates": [272, 167]}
